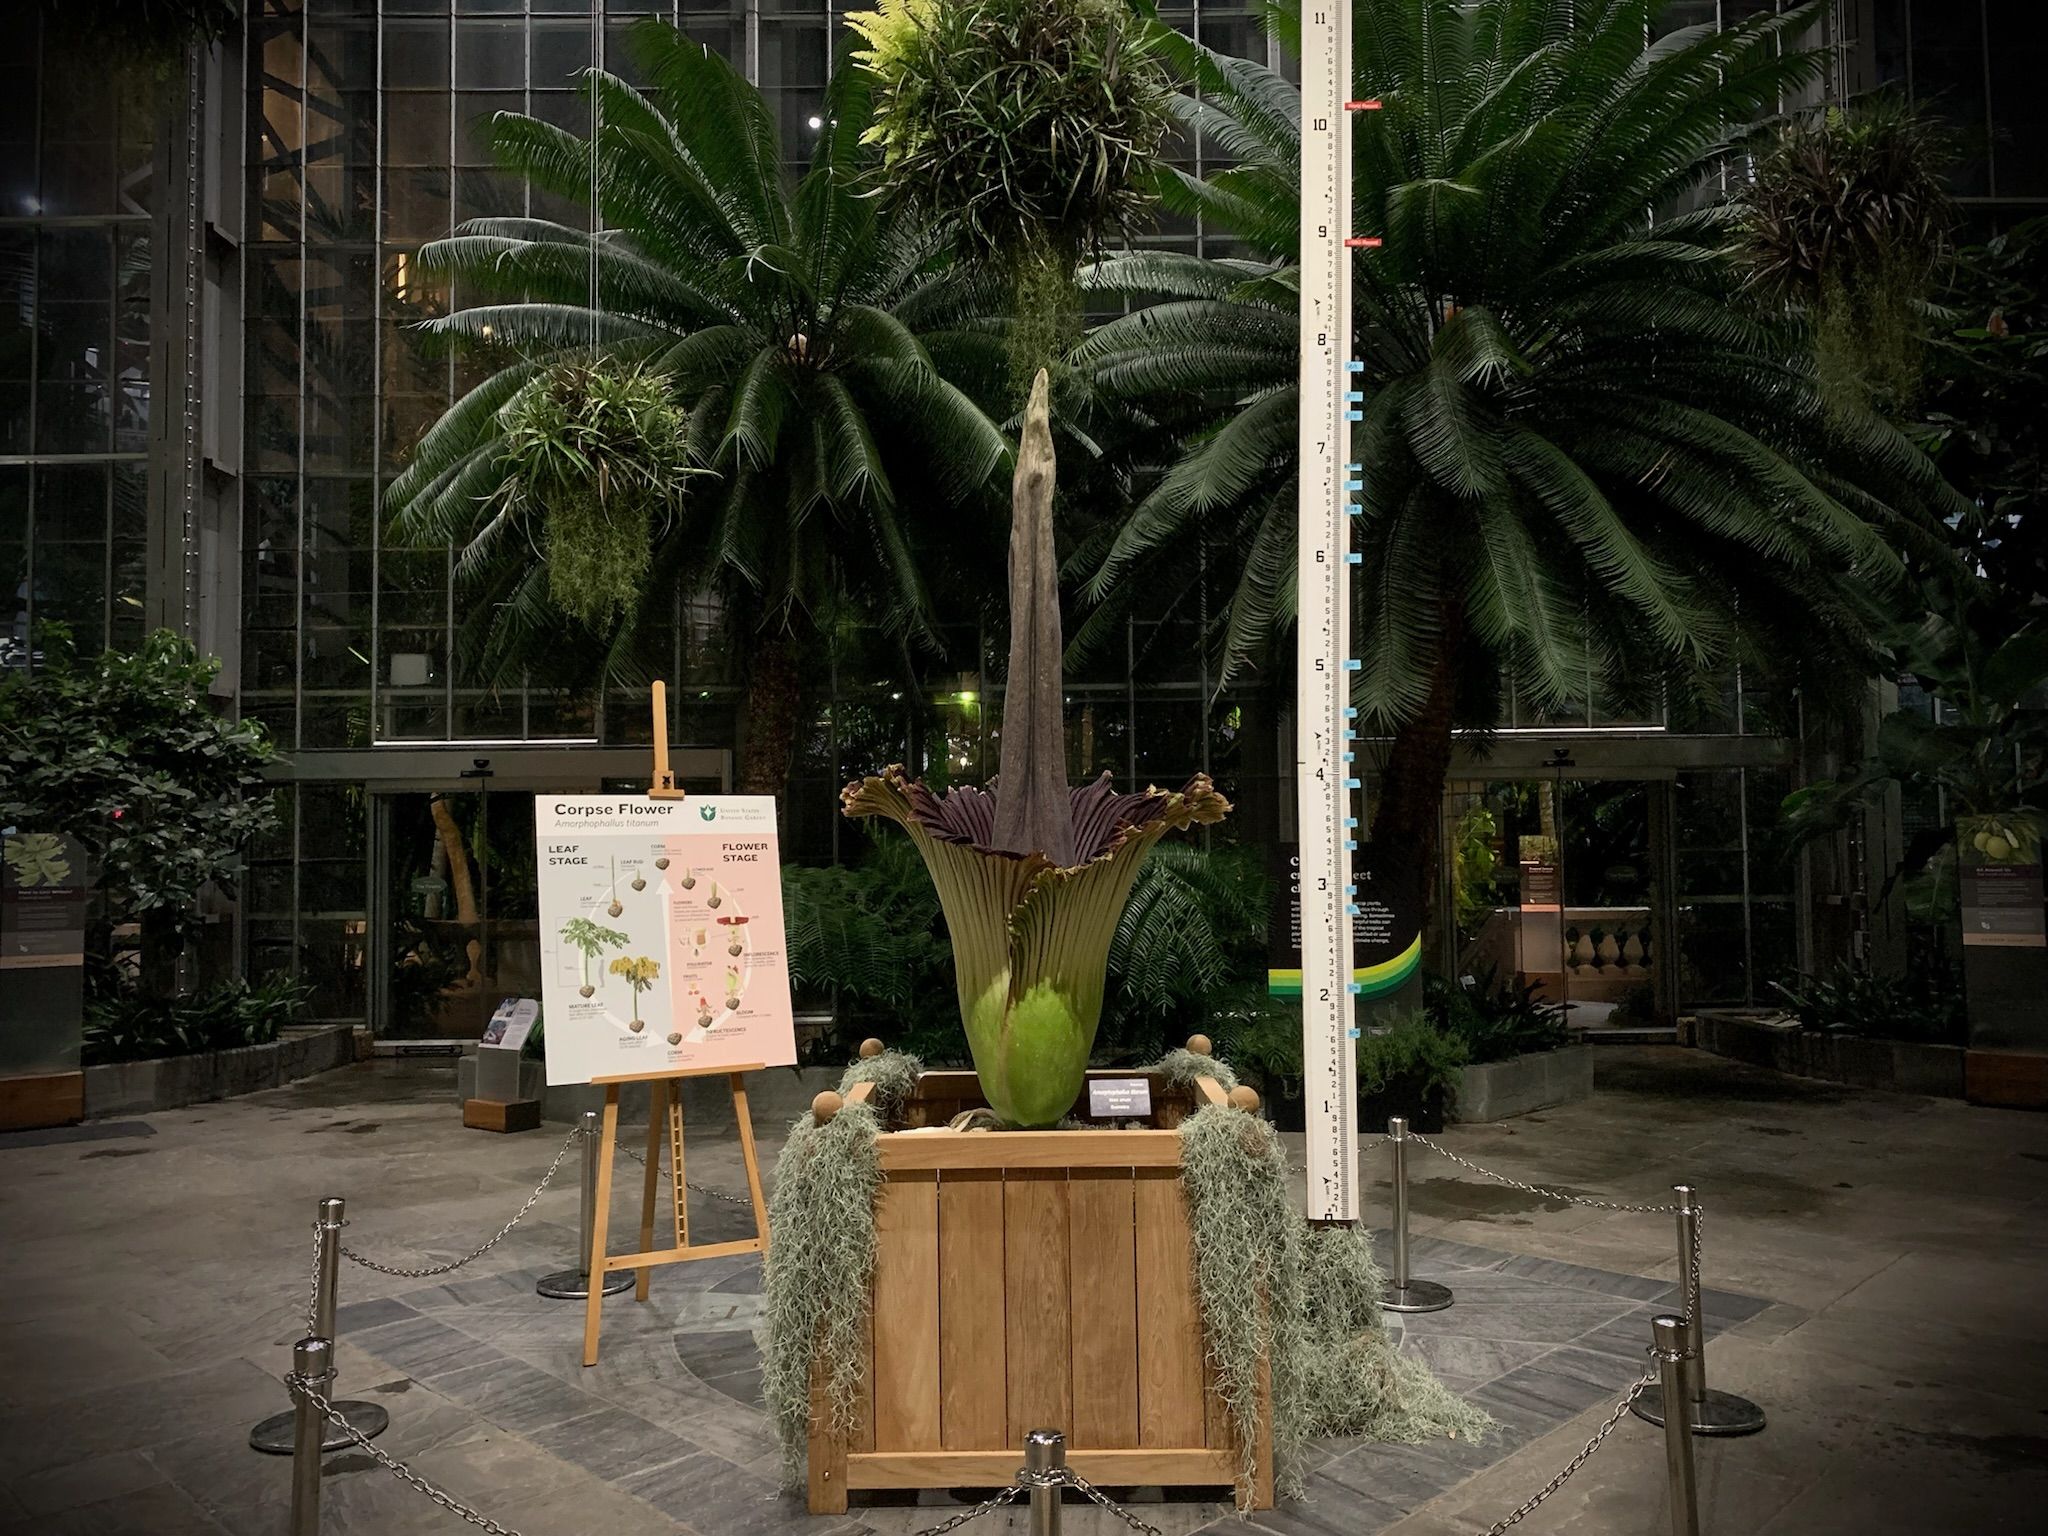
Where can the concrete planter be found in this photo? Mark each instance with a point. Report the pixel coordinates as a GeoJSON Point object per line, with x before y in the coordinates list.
{"type": "Point", "coordinates": [1521, 1085]}
{"type": "Point", "coordinates": [775, 1096]}
{"type": "Point", "coordinates": [169, 1082]}
{"type": "Point", "coordinates": [1897, 1066]}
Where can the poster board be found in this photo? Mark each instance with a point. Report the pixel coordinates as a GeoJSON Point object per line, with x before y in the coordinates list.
{"type": "Point", "coordinates": [661, 935]}
{"type": "Point", "coordinates": [1386, 935]}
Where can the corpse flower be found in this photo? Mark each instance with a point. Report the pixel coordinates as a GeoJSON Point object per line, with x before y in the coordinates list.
{"type": "Point", "coordinates": [1032, 875]}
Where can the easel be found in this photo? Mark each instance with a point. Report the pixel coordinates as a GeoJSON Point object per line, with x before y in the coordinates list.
{"type": "Point", "coordinates": [664, 1116]}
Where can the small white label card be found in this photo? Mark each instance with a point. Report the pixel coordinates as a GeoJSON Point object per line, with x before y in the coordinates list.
{"type": "Point", "coordinates": [1119, 1098]}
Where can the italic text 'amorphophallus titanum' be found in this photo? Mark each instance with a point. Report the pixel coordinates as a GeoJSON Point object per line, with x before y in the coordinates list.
{"type": "Point", "coordinates": [1032, 875]}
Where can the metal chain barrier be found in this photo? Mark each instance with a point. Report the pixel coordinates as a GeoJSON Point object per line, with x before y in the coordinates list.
{"type": "Point", "coordinates": [1528, 1506]}
{"type": "Point", "coordinates": [1537, 1189]}
{"type": "Point", "coordinates": [302, 1386]}
{"type": "Point", "coordinates": [476, 1253]}
{"type": "Point", "coordinates": [313, 1287]}
{"type": "Point", "coordinates": [693, 1187]}
{"type": "Point", "coordinates": [976, 1511]}
{"type": "Point", "coordinates": [1052, 1477]}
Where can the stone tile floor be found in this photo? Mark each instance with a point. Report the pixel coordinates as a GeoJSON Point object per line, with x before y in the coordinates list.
{"type": "Point", "coordinates": [1878, 1263]}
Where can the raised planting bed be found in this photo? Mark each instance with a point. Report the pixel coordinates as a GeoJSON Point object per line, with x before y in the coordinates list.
{"type": "Point", "coordinates": [1521, 1085]}
{"type": "Point", "coordinates": [169, 1082]}
{"type": "Point", "coordinates": [1031, 1280]}
{"type": "Point", "coordinates": [1900, 1066]}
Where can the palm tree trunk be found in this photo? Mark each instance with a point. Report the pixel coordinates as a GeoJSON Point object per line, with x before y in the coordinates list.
{"type": "Point", "coordinates": [773, 692]}
{"type": "Point", "coordinates": [1408, 824]}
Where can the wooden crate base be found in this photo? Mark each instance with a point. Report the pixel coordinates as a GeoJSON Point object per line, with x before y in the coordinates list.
{"type": "Point", "coordinates": [1031, 1280]}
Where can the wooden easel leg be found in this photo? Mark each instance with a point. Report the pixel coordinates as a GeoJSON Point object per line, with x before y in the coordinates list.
{"type": "Point", "coordinates": [657, 1112]}
{"type": "Point", "coordinates": [600, 1221]}
{"type": "Point", "coordinates": [745, 1118]}
{"type": "Point", "coordinates": [678, 1189]}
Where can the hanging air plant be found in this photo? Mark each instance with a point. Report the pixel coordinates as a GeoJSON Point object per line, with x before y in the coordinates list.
{"type": "Point", "coordinates": [1032, 875]}
{"type": "Point", "coordinates": [596, 456]}
{"type": "Point", "coordinates": [1032, 125]}
{"type": "Point", "coordinates": [1847, 219]}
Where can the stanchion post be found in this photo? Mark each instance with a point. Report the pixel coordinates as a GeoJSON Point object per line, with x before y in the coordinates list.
{"type": "Point", "coordinates": [1671, 1335]}
{"type": "Point", "coordinates": [332, 1218]}
{"type": "Point", "coordinates": [1404, 1292]}
{"type": "Point", "coordinates": [1708, 1410]}
{"type": "Point", "coordinates": [1045, 1450]}
{"type": "Point", "coordinates": [278, 1434]}
{"type": "Point", "coordinates": [574, 1284]}
{"type": "Point", "coordinates": [313, 1361]}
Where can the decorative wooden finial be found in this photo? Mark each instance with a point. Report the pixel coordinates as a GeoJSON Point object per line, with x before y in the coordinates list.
{"type": "Point", "coordinates": [871, 1047]}
{"type": "Point", "coordinates": [826, 1105]}
{"type": "Point", "coordinates": [1200, 1045]}
{"type": "Point", "coordinates": [1244, 1098]}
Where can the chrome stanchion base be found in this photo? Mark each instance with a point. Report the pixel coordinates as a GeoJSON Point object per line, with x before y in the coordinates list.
{"type": "Point", "coordinates": [1723, 1413]}
{"type": "Point", "coordinates": [574, 1284]}
{"type": "Point", "coordinates": [1419, 1296]}
{"type": "Point", "coordinates": [274, 1435]}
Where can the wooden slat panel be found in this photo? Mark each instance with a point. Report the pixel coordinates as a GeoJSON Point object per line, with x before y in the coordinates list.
{"type": "Point", "coordinates": [1169, 1325]}
{"type": "Point", "coordinates": [1030, 1149]}
{"type": "Point", "coordinates": [862, 1436]}
{"type": "Point", "coordinates": [1039, 1391]}
{"type": "Point", "coordinates": [906, 1370]}
{"type": "Point", "coordinates": [1216, 1432]}
{"type": "Point", "coordinates": [825, 1452]}
{"type": "Point", "coordinates": [996, 1469]}
{"type": "Point", "coordinates": [971, 1337]}
{"type": "Point", "coordinates": [1103, 1265]}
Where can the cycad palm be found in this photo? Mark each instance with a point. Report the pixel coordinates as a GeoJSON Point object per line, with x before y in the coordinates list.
{"type": "Point", "coordinates": [1587, 466]}
{"type": "Point", "coordinates": [791, 323]}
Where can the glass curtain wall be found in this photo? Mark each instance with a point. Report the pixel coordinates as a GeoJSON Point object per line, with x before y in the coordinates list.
{"type": "Point", "coordinates": [363, 144]}
{"type": "Point", "coordinates": [76, 193]}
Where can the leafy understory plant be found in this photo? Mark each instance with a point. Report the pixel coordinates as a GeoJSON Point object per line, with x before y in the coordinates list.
{"type": "Point", "coordinates": [1031, 125]}
{"type": "Point", "coordinates": [590, 938]}
{"type": "Point", "coordinates": [1032, 875]}
{"type": "Point", "coordinates": [597, 457]}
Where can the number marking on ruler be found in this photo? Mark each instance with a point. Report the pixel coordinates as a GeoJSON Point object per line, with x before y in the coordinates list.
{"type": "Point", "coordinates": [1325, 810]}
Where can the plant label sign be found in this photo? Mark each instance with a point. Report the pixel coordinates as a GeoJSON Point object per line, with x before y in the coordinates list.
{"type": "Point", "coordinates": [661, 935]}
{"type": "Point", "coordinates": [1119, 1098]}
{"type": "Point", "coordinates": [511, 1024]}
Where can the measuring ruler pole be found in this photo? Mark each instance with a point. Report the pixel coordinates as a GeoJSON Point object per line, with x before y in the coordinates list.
{"type": "Point", "coordinates": [1326, 774]}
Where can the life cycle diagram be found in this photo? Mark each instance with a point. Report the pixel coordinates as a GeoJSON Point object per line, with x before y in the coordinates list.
{"type": "Point", "coordinates": [661, 934]}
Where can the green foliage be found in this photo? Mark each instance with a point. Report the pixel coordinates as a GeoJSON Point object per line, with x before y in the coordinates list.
{"type": "Point", "coordinates": [869, 937]}
{"type": "Point", "coordinates": [1985, 756]}
{"type": "Point", "coordinates": [1304, 1305]}
{"type": "Point", "coordinates": [1925, 1005]}
{"type": "Point", "coordinates": [1472, 867]}
{"type": "Point", "coordinates": [125, 754]}
{"type": "Point", "coordinates": [235, 1013]}
{"type": "Point", "coordinates": [809, 336]}
{"type": "Point", "coordinates": [596, 455]}
{"type": "Point", "coordinates": [1984, 407]}
{"type": "Point", "coordinates": [1585, 462]}
{"type": "Point", "coordinates": [1846, 218]}
{"type": "Point", "coordinates": [1409, 1067]}
{"type": "Point", "coordinates": [1495, 1018]}
{"type": "Point", "coordinates": [1191, 938]}
{"type": "Point", "coordinates": [1031, 126]}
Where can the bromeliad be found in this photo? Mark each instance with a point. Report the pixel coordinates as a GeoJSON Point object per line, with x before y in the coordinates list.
{"type": "Point", "coordinates": [1032, 875]}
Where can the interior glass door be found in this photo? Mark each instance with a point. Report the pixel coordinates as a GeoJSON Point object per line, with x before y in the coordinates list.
{"type": "Point", "coordinates": [462, 929]}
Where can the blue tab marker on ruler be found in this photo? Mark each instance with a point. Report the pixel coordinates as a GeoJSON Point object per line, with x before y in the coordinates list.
{"type": "Point", "coordinates": [1354, 559]}
{"type": "Point", "coordinates": [1354, 665]}
{"type": "Point", "coordinates": [1354, 366]}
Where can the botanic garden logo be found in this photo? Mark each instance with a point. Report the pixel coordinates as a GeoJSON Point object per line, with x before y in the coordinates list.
{"type": "Point", "coordinates": [708, 812]}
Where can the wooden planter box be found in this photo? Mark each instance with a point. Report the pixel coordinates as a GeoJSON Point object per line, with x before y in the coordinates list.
{"type": "Point", "coordinates": [1031, 1280]}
